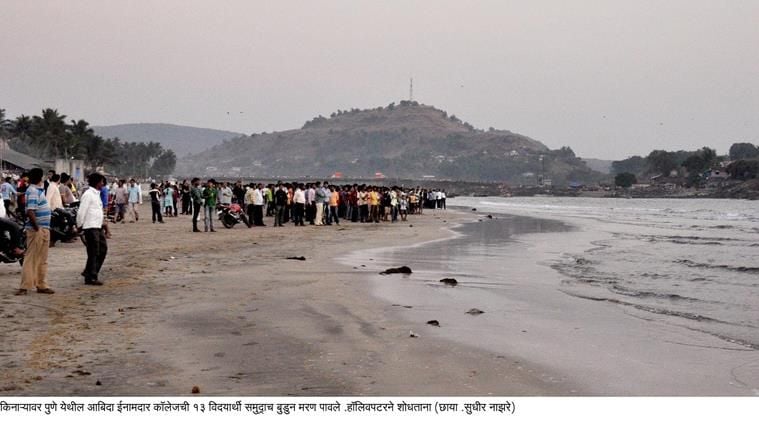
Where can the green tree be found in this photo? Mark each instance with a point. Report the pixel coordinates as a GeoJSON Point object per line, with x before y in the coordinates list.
{"type": "Point", "coordinates": [744, 169]}
{"type": "Point", "coordinates": [743, 150]}
{"type": "Point", "coordinates": [635, 164]}
{"type": "Point", "coordinates": [164, 165]}
{"type": "Point", "coordinates": [625, 180]}
{"type": "Point", "coordinates": [660, 161]}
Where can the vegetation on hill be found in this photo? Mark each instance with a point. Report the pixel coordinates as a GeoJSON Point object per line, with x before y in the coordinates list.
{"type": "Point", "coordinates": [182, 139]}
{"type": "Point", "coordinates": [48, 136]}
{"type": "Point", "coordinates": [742, 163]}
{"type": "Point", "coordinates": [406, 140]}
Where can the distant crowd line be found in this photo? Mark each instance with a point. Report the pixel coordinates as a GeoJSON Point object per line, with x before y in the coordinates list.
{"type": "Point", "coordinates": [315, 203]}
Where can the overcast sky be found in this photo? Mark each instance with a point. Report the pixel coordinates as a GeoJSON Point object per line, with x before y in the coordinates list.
{"type": "Point", "coordinates": [608, 78]}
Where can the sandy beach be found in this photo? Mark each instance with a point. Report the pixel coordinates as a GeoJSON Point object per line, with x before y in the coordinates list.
{"type": "Point", "coordinates": [227, 312]}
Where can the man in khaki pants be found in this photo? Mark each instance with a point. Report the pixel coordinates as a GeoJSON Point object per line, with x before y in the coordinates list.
{"type": "Point", "coordinates": [37, 226]}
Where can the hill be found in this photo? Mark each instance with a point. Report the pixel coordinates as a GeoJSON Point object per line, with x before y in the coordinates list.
{"type": "Point", "coordinates": [408, 140]}
{"type": "Point", "coordinates": [181, 139]}
{"type": "Point", "coordinates": [601, 166]}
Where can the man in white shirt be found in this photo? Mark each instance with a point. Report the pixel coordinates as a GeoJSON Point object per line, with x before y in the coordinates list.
{"type": "Point", "coordinates": [225, 194]}
{"type": "Point", "coordinates": [53, 195]}
{"type": "Point", "coordinates": [258, 206]}
{"type": "Point", "coordinates": [299, 200]}
{"type": "Point", "coordinates": [90, 219]}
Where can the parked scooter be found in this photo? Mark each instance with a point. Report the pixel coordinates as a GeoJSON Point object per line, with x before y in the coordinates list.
{"type": "Point", "coordinates": [63, 224]}
{"type": "Point", "coordinates": [231, 215]}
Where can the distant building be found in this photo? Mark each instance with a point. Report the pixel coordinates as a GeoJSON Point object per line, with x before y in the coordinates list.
{"type": "Point", "coordinates": [74, 168]}
{"type": "Point", "coordinates": [17, 162]}
{"type": "Point", "coordinates": [717, 174]}
{"type": "Point", "coordinates": [379, 175]}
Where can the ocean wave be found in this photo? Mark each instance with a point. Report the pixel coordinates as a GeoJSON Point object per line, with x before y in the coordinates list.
{"type": "Point", "coordinates": [742, 269]}
{"type": "Point", "coordinates": [652, 295]}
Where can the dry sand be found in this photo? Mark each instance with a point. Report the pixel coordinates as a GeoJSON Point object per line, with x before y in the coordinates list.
{"type": "Point", "coordinates": [227, 312]}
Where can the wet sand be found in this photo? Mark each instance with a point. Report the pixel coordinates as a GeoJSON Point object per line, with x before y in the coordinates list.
{"type": "Point", "coordinates": [228, 313]}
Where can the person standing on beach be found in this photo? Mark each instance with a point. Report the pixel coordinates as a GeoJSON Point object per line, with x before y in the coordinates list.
{"type": "Point", "coordinates": [90, 219]}
{"type": "Point", "coordinates": [280, 202]}
{"type": "Point", "coordinates": [299, 205]}
{"type": "Point", "coordinates": [168, 200]}
{"type": "Point", "coordinates": [186, 197]}
{"type": "Point", "coordinates": [196, 196]}
{"type": "Point", "coordinates": [319, 197]}
{"type": "Point", "coordinates": [333, 202]}
{"type": "Point", "coordinates": [37, 227]}
{"type": "Point", "coordinates": [209, 204]}
{"type": "Point", "coordinates": [247, 203]}
{"type": "Point", "coordinates": [135, 199]}
{"type": "Point", "coordinates": [155, 203]}
{"type": "Point", "coordinates": [120, 198]}
{"type": "Point", "coordinates": [258, 206]}
{"type": "Point", "coordinates": [8, 192]}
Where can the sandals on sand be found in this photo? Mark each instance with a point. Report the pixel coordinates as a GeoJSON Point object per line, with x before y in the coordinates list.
{"type": "Point", "coordinates": [47, 291]}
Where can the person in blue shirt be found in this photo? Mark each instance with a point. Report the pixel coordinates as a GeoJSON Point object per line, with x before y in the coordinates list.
{"type": "Point", "coordinates": [8, 191]}
{"type": "Point", "coordinates": [37, 226]}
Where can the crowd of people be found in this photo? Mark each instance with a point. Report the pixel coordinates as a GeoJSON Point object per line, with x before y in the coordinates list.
{"type": "Point", "coordinates": [30, 200]}
{"type": "Point", "coordinates": [316, 203]}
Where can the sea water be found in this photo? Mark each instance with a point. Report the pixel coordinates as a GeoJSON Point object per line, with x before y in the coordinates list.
{"type": "Point", "coordinates": [603, 296]}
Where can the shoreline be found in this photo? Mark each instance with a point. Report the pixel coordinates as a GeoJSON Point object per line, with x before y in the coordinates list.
{"type": "Point", "coordinates": [234, 317]}
{"type": "Point", "coordinates": [608, 346]}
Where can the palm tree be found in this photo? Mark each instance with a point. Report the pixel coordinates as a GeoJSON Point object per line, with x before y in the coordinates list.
{"type": "Point", "coordinates": [49, 132]}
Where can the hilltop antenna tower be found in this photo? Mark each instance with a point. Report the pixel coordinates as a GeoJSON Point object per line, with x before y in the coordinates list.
{"type": "Point", "coordinates": [411, 90]}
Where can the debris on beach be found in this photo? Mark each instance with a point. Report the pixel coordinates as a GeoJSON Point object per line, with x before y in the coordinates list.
{"type": "Point", "coordinates": [195, 389]}
{"type": "Point", "coordinates": [298, 258]}
{"type": "Point", "coordinates": [475, 311]}
{"type": "Point", "coordinates": [434, 323]}
{"type": "Point", "coordinates": [413, 334]}
{"type": "Point", "coordinates": [399, 270]}
{"type": "Point", "coordinates": [449, 281]}
{"type": "Point", "coordinates": [98, 382]}
{"type": "Point", "coordinates": [490, 216]}
{"type": "Point", "coordinates": [474, 209]}
{"type": "Point", "coordinates": [411, 225]}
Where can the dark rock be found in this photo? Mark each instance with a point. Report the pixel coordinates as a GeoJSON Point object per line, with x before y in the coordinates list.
{"type": "Point", "coordinates": [399, 270]}
{"type": "Point", "coordinates": [475, 311]}
{"type": "Point", "coordinates": [434, 323]}
{"type": "Point", "coordinates": [449, 281]}
{"type": "Point", "coordinates": [490, 216]}
{"type": "Point", "coordinates": [474, 209]}
{"type": "Point", "coordinates": [195, 389]}
{"type": "Point", "coordinates": [298, 258]}
{"type": "Point", "coordinates": [98, 382]}
{"type": "Point", "coordinates": [411, 225]}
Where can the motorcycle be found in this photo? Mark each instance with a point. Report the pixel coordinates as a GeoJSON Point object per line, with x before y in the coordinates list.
{"type": "Point", "coordinates": [63, 224]}
{"type": "Point", "coordinates": [231, 215]}
{"type": "Point", "coordinates": [7, 245]}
